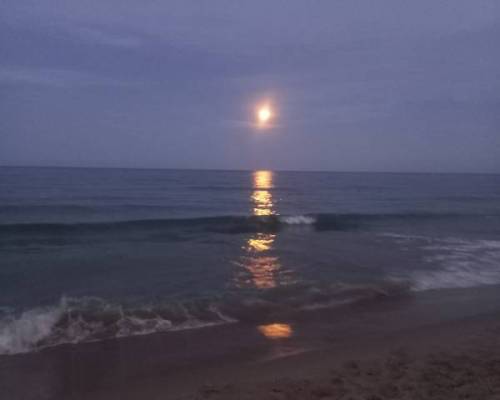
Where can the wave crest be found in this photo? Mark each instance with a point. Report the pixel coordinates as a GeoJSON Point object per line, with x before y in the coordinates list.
{"type": "Point", "coordinates": [76, 320]}
{"type": "Point", "coordinates": [298, 220]}
{"type": "Point", "coordinates": [232, 224]}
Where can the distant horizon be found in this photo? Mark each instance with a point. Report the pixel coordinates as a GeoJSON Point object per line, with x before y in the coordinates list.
{"type": "Point", "coordinates": [252, 170]}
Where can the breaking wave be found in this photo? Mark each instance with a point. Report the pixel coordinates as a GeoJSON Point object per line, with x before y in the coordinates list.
{"type": "Point", "coordinates": [77, 320]}
{"type": "Point", "coordinates": [298, 220]}
{"type": "Point", "coordinates": [220, 224]}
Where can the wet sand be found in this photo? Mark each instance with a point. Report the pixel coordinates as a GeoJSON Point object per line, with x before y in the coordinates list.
{"type": "Point", "coordinates": [432, 345]}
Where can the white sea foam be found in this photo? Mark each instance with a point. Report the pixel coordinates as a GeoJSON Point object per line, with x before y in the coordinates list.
{"type": "Point", "coordinates": [129, 326]}
{"type": "Point", "coordinates": [20, 334]}
{"type": "Point", "coordinates": [298, 220]}
{"type": "Point", "coordinates": [91, 319]}
{"type": "Point", "coordinates": [460, 264]}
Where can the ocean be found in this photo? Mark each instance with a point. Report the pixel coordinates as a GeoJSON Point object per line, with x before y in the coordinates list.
{"type": "Point", "coordinates": [90, 254]}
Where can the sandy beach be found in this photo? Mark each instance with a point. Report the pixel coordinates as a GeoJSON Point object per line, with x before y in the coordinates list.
{"type": "Point", "coordinates": [452, 361]}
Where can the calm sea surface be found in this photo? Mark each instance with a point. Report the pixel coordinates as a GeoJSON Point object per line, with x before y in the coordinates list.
{"type": "Point", "coordinates": [87, 254]}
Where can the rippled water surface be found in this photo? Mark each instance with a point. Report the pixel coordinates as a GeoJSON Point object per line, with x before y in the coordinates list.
{"type": "Point", "coordinates": [88, 254]}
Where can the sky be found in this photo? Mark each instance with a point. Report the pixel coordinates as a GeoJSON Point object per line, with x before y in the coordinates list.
{"type": "Point", "coordinates": [355, 85]}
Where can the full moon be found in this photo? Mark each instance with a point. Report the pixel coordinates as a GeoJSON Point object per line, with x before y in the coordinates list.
{"type": "Point", "coordinates": [264, 115]}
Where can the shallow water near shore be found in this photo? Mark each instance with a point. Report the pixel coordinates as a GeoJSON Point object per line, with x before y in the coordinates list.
{"type": "Point", "coordinates": [91, 255]}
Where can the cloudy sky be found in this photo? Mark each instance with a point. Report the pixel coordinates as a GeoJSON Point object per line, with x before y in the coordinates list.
{"type": "Point", "coordinates": [389, 85]}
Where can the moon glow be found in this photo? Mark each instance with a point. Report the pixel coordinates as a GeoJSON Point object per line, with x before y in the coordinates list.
{"type": "Point", "coordinates": [264, 115]}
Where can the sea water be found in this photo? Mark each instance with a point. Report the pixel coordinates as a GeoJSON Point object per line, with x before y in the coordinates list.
{"type": "Point", "coordinates": [90, 254]}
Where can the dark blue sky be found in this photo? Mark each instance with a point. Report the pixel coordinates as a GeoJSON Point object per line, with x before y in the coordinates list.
{"type": "Point", "coordinates": [358, 85]}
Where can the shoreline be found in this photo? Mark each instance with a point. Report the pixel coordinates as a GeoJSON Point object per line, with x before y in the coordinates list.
{"type": "Point", "coordinates": [239, 361]}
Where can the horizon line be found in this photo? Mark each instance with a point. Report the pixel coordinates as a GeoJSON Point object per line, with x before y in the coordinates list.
{"type": "Point", "coordinates": [250, 169]}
